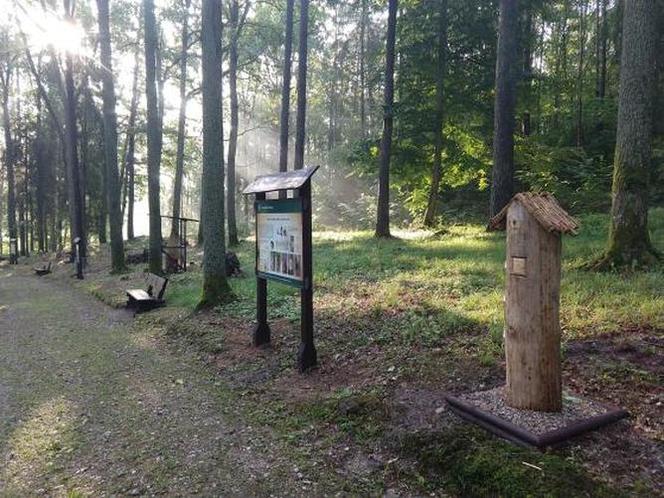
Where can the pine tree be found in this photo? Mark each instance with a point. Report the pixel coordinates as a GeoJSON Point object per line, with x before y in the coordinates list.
{"type": "Point", "coordinates": [215, 285]}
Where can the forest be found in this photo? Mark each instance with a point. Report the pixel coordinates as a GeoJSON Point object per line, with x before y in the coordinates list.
{"type": "Point", "coordinates": [561, 89]}
{"type": "Point", "coordinates": [123, 118]}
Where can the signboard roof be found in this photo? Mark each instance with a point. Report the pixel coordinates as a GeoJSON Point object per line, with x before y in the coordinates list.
{"type": "Point", "coordinates": [287, 180]}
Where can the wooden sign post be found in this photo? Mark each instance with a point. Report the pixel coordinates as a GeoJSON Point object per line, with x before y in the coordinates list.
{"type": "Point", "coordinates": [284, 252]}
{"type": "Point", "coordinates": [534, 223]}
{"type": "Point", "coordinates": [13, 251]}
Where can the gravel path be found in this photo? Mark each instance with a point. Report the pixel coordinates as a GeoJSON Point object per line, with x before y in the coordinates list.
{"type": "Point", "coordinates": [91, 403]}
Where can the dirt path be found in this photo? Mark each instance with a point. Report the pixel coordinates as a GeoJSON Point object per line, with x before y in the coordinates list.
{"type": "Point", "coordinates": [91, 403]}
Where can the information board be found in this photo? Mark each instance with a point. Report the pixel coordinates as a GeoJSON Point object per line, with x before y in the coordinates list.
{"type": "Point", "coordinates": [279, 240]}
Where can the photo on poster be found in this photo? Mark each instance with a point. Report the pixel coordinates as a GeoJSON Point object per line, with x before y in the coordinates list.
{"type": "Point", "coordinates": [279, 239]}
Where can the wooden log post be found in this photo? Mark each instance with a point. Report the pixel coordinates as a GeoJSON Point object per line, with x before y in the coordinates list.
{"type": "Point", "coordinates": [532, 327]}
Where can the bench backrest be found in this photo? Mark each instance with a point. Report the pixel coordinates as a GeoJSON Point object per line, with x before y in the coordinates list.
{"type": "Point", "coordinates": [156, 285]}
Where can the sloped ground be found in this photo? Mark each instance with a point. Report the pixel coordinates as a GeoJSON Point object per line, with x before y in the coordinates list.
{"type": "Point", "coordinates": [398, 324]}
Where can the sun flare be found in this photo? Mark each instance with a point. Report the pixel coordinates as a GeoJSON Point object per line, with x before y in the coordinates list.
{"type": "Point", "coordinates": [47, 30]}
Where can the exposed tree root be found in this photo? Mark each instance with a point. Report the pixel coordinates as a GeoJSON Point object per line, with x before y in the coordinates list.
{"type": "Point", "coordinates": [617, 261]}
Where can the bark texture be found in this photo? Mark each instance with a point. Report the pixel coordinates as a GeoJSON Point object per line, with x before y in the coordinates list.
{"type": "Point", "coordinates": [284, 123]}
{"type": "Point", "coordinates": [286, 88]}
{"type": "Point", "coordinates": [110, 139]}
{"type": "Point", "coordinates": [436, 172]}
{"type": "Point", "coordinates": [153, 135]}
{"type": "Point", "coordinates": [629, 241]}
{"type": "Point", "coordinates": [74, 176]}
{"type": "Point", "coordinates": [182, 122]}
{"type": "Point", "coordinates": [507, 68]}
{"type": "Point", "coordinates": [129, 155]}
{"type": "Point", "coordinates": [235, 110]}
{"type": "Point", "coordinates": [383, 211]}
{"type": "Point", "coordinates": [215, 286]}
{"type": "Point", "coordinates": [301, 86]}
{"type": "Point", "coordinates": [9, 154]}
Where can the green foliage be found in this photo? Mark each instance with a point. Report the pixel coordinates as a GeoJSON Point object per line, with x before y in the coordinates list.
{"type": "Point", "coordinates": [581, 182]}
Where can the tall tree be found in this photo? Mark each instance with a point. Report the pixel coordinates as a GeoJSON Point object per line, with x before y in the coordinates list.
{"type": "Point", "coordinates": [75, 180]}
{"type": "Point", "coordinates": [110, 138]}
{"type": "Point", "coordinates": [629, 241]}
{"type": "Point", "coordinates": [383, 211]}
{"type": "Point", "coordinates": [300, 122]}
{"type": "Point", "coordinates": [527, 37]}
{"type": "Point", "coordinates": [182, 120]}
{"type": "Point", "coordinates": [153, 133]}
{"type": "Point", "coordinates": [579, 75]}
{"type": "Point", "coordinates": [6, 71]}
{"type": "Point", "coordinates": [507, 67]}
{"type": "Point", "coordinates": [285, 90]}
{"type": "Point", "coordinates": [362, 70]}
{"type": "Point", "coordinates": [601, 33]}
{"type": "Point", "coordinates": [215, 285]}
{"type": "Point", "coordinates": [436, 172]}
{"type": "Point", "coordinates": [129, 153]}
{"type": "Point", "coordinates": [236, 24]}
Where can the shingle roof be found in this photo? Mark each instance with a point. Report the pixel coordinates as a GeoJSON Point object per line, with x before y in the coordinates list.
{"type": "Point", "coordinates": [544, 208]}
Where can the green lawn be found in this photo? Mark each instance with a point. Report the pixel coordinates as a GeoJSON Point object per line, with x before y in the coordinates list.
{"type": "Point", "coordinates": [424, 311]}
{"type": "Point", "coordinates": [434, 286]}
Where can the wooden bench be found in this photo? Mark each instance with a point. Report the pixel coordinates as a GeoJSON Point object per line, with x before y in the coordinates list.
{"type": "Point", "coordinates": [44, 269]}
{"type": "Point", "coordinates": [145, 300]}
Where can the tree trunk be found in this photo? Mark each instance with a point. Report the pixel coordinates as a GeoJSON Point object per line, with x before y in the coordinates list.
{"type": "Point", "coordinates": [629, 241]}
{"type": "Point", "coordinates": [383, 210]}
{"type": "Point", "coordinates": [285, 89]}
{"type": "Point", "coordinates": [129, 154]}
{"type": "Point", "coordinates": [502, 178]}
{"type": "Point", "coordinates": [579, 75]}
{"type": "Point", "coordinates": [41, 180]}
{"type": "Point", "coordinates": [560, 71]}
{"type": "Point", "coordinates": [527, 37]}
{"type": "Point", "coordinates": [436, 172]}
{"type": "Point", "coordinates": [110, 139]}
{"type": "Point", "coordinates": [74, 176]}
{"type": "Point", "coordinates": [153, 135]}
{"type": "Point", "coordinates": [300, 123]}
{"type": "Point", "coordinates": [90, 114]}
{"type": "Point", "coordinates": [22, 232]}
{"type": "Point", "coordinates": [602, 48]}
{"type": "Point", "coordinates": [182, 121]}
{"type": "Point", "coordinates": [9, 154]}
{"type": "Point", "coordinates": [75, 190]}
{"type": "Point", "coordinates": [215, 286]}
{"type": "Point", "coordinates": [363, 104]}
{"type": "Point", "coordinates": [232, 138]}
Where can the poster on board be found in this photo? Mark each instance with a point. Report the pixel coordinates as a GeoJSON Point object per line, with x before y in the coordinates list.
{"type": "Point", "coordinates": [279, 240]}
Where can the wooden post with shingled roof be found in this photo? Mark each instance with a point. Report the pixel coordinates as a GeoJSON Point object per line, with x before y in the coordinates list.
{"type": "Point", "coordinates": [534, 223]}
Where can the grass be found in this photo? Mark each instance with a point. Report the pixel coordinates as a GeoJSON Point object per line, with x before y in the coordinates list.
{"type": "Point", "coordinates": [421, 309]}
{"type": "Point", "coordinates": [432, 287]}
{"type": "Point", "coordinates": [419, 293]}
